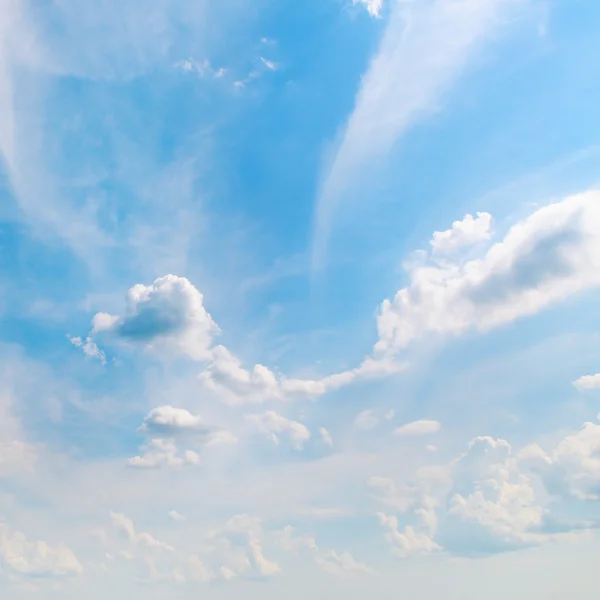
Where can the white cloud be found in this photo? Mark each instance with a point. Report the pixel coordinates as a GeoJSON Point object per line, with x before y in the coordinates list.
{"type": "Point", "coordinates": [159, 452]}
{"type": "Point", "coordinates": [144, 539]}
{"type": "Point", "coordinates": [573, 467]}
{"type": "Point", "coordinates": [170, 311]}
{"type": "Point", "coordinates": [225, 376]}
{"type": "Point", "coordinates": [269, 64]}
{"type": "Point", "coordinates": [425, 49]}
{"type": "Point", "coordinates": [366, 420]}
{"type": "Point", "coordinates": [407, 542]}
{"type": "Point", "coordinates": [274, 425]}
{"type": "Point", "coordinates": [35, 559]}
{"type": "Point", "coordinates": [373, 6]}
{"type": "Point", "coordinates": [174, 433]}
{"type": "Point", "coordinates": [467, 232]}
{"type": "Point", "coordinates": [89, 348]}
{"type": "Point", "coordinates": [167, 419]}
{"type": "Point", "coordinates": [545, 258]}
{"type": "Point", "coordinates": [588, 382]}
{"type": "Point", "coordinates": [326, 437]}
{"type": "Point", "coordinates": [418, 428]}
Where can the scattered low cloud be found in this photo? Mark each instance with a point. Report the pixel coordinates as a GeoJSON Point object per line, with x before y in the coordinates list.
{"type": "Point", "coordinates": [588, 382]}
{"type": "Point", "coordinates": [25, 559]}
{"type": "Point", "coordinates": [89, 348]}
{"type": "Point", "coordinates": [418, 428]}
{"type": "Point", "coordinates": [471, 230]}
{"type": "Point", "coordinates": [274, 426]}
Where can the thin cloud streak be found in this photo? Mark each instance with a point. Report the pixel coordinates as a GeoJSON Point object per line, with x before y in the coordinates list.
{"type": "Point", "coordinates": [425, 49]}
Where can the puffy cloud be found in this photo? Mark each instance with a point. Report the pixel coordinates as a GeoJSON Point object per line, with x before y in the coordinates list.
{"type": "Point", "coordinates": [543, 259]}
{"type": "Point", "coordinates": [23, 558]}
{"type": "Point", "coordinates": [366, 420]}
{"type": "Point", "coordinates": [169, 428]}
{"type": "Point", "coordinates": [588, 382]}
{"type": "Point", "coordinates": [467, 232]}
{"type": "Point", "coordinates": [176, 516]}
{"type": "Point", "coordinates": [407, 542]}
{"type": "Point", "coordinates": [174, 421]}
{"type": "Point", "coordinates": [274, 425]}
{"type": "Point", "coordinates": [170, 311]}
{"type": "Point", "coordinates": [573, 467]}
{"type": "Point", "coordinates": [89, 348]}
{"type": "Point", "coordinates": [159, 452]}
{"type": "Point", "coordinates": [418, 428]}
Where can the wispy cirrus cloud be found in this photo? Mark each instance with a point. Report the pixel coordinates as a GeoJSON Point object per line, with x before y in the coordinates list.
{"type": "Point", "coordinates": [426, 47]}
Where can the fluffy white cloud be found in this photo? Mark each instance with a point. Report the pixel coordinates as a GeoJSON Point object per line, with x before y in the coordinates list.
{"type": "Point", "coordinates": [573, 467]}
{"type": "Point", "coordinates": [588, 382]}
{"type": "Point", "coordinates": [159, 452]}
{"type": "Point", "coordinates": [545, 258]}
{"type": "Point", "coordinates": [167, 419]}
{"type": "Point", "coordinates": [274, 425]}
{"type": "Point", "coordinates": [21, 557]}
{"type": "Point", "coordinates": [373, 6]}
{"type": "Point", "coordinates": [170, 311]}
{"type": "Point", "coordinates": [418, 428]}
{"type": "Point", "coordinates": [174, 433]}
{"type": "Point", "coordinates": [467, 232]}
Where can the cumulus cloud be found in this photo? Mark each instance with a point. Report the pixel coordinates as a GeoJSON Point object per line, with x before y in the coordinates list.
{"type": "Point", "coordinates": [274, 426]}
{"type": "Point", "coordinates": [170, 311]}
{"type": "Point", "coordinates": [418, 428]}
{"type": "Point", "coordinates": [159, 452]}
{"type": "Point", "coordinates": [550, 255]}
{"type": "Point", "coordinates": [23, 558]}
{"type": "Point", "coordinates": [407, 542]}
{"type": "Point", "coordinates": [588, 382]}
{"type": "Point", "coordinates": [176, 516]}
{"type": "Point", "coordinates": [175, 434]}
{"type": "Point", "coordinates": [572, 468]}
{"type": "Point", "coordinates": [467, 232]}
{"type": "Point", "coordinates": [174, 421]}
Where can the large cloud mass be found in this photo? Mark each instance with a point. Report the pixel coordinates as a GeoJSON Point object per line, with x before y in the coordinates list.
{"type": "Point", "coordinates": [549, 256]}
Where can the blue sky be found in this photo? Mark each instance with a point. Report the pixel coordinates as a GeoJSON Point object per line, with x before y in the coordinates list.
{"type": "Point", "coordinates": [299, 299]}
